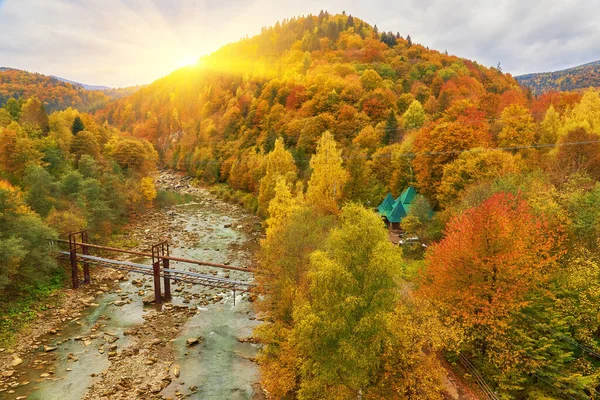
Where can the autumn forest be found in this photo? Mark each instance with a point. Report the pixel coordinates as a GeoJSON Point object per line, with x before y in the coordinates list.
{"type": "Point", "coordinates": [309, 125]}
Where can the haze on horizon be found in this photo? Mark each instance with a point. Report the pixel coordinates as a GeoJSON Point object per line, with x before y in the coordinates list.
{"type": "Point", "coordinates": [121, 43]}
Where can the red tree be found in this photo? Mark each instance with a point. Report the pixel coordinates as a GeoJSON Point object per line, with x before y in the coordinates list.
{"type": "Point", "coordinates": [491, 257]}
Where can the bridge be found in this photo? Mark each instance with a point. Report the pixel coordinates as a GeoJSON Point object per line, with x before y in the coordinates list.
{"type": "Point", "coordinates": [79, 253]}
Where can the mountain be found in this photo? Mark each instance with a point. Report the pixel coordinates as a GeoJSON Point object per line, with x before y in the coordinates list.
{"type": "Point", "coordinates": [581, 77]}
{"type": "Point", "coordinates": [83, 85]}
{"type": "Point", "coordinates": [296, 80]}
{"type": "Point", "coordinates": [56, 93]}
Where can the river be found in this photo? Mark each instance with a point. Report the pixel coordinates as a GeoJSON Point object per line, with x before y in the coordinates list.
{"type": "Point", "coordinates": [111, 350]}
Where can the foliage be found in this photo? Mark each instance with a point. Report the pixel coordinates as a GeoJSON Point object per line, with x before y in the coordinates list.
{"type": "Point", "coordinates": [581, 77]}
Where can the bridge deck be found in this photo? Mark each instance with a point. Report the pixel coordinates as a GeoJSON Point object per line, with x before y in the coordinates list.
{"type": "Point", "coordinates": [172, 274]}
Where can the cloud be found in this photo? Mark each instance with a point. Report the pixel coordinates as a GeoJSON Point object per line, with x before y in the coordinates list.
{"type": "Point", "coordinates": [125, 42]}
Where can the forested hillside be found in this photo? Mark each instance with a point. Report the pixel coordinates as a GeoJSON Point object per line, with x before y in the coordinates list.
{"type": "Point", "coordinates": [54, 93]}
{"type": "Point", "coordinates": [313, 121]}
{"type": "Point", "coordinates": [576, 78]}
{"type": "Point", "coordinates": [59, 173]}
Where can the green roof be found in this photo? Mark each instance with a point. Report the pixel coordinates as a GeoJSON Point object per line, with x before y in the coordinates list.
{"type": "Point", "coordinates": [408, 196]}
{"type": "Point", "coordinates": [386, 205]}
{"type": "Point", "coordinates": [397, 213]}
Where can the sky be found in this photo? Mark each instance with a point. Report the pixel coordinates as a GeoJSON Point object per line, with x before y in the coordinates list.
{"type": "Point", "coordinates": [121, 43]}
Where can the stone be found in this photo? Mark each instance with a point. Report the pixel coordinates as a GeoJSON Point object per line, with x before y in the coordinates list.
{"type": "Point", "coordinates": [16, 361]}
{"type": "Point", "coordinates": [192, 341]}
{"type": "Point", "coordinates": [48, 349]}
{"type": "Point", "coordinates": [8, 374]}
{"type": "Point", "coordinates": [176, 370]}
{"type": "Point", "coordinates": [119, 303]}
{"type": "Point", "coordinates": [148, 299]}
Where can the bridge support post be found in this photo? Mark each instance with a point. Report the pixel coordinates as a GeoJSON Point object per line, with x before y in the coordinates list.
{"type": "Point", "coordinates": [167, 280]}
{"type": "Point", "coordinates": [73, 257]}
{"type": "Point", "coordinates": [86, 266]}
{"type": "Point", "coordinates": [74, 269]}
{"type": "Point", "coordinates": [156, 271]}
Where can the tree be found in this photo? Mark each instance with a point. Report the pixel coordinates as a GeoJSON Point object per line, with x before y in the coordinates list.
{"type": "Point", "coordinates": [414, 117]}
{"type": "Point", "coordinates": [370, 79]}
{"type": "Point", "coordinates": [77, 126]}
{"type": "Point", "coordinates": [409, 41]}
{"type": "Point", "coordinates": [461, 128]}
{"type": "Point", "coordinates": [550, 127]}
{"type": "Point", "coordinates": [579, 158]}
{"type": "Point", "coordinates": [33, 117]}
{"type": "Point", "coordinates": [368, 138]}
{"type": "Point", "coordinates": [343, 326]}
{"type": "Point", "coordinates": [280, 163]}
{"type": "Point", "coordinates": [147, 189]}
{"type": "Point", "coordinates": [493, 257]}
{"type": "Point", "coordinates": [518, 128]}
{"type": "Point", "coordinates": [86, 143]}
{"type": "Point", "coordinates": [326, 184]}
{"type": "Point", "coordinates": [17, 151]}
{"type": "Point", "coordinates": [474, 166]}
{"type": "Point", "coordinates": [14, 108]}
{"type": "Point", "coordinates": [391, 128]}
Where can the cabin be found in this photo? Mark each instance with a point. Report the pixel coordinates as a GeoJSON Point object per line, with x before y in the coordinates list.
{"type": "Point", "coordinates": [394, 210]}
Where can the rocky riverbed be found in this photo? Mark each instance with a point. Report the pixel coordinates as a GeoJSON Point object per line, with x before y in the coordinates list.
{"type": "Point", "coordinates": [102, 342]}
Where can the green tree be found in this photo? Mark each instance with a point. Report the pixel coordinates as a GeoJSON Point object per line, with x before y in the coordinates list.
{"type": "Point", "coordinates": [77, 126]}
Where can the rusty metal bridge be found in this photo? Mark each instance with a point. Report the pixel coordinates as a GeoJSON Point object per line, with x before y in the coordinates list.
{"type": "Point", "coordinates": [79, 253]}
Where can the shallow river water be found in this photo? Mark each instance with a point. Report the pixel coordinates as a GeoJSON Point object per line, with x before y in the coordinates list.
{"type": "Point", "coordinates": [219, 366]}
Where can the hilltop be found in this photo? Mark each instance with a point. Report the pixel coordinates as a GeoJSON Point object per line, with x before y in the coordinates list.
{"type": "Point", "coordinates": [580, 77]}
{"type": "Point", "coordinates": [297, 79]}
{"type": "Point", "coordinates": [54, 92]}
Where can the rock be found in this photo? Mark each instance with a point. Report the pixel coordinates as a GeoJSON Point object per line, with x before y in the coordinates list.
{"type": "Point", "coordinates": [192, 341]}
{"type": "Point", "coordinates": [110, 338]}
{"type": "Point", "coordinates": [8, 374]}
{"type": "Point", "coordinates": [48, 349]}
{"type": "Point", "coordinates": [156, 342]}
{"type": "Point", "coordinates": [119, 303]}
{"type": "Point", "coordinates": [175, 370]}
{"type": "Point", "coordinates": [16, 361]}
{"type": "Point", "coordinates": [44, 375]}
{"type": "Point", "coordinates": [148, 299]}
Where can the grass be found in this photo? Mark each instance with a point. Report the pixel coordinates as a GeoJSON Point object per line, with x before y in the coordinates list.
{"type": "Point", "coordinates": [226, 193]}
{"type": "Point", "coordinates": [20, 306]}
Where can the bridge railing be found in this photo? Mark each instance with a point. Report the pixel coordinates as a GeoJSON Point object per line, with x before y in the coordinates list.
{"type": "Point", "coordinates": [160, 267]}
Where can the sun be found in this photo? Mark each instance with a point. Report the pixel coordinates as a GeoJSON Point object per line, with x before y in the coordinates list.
{"type": "Point", "coordinates": [188, 61]}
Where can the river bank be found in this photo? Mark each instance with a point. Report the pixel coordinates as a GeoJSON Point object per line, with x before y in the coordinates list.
{"type": "Point", "coordinates": [101, 342]}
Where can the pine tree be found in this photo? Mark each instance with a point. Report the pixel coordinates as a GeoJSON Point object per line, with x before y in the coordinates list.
{"type": "Point", "coordinates": [77, 126]}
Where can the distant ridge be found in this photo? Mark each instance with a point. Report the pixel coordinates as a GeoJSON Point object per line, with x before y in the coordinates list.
{"type": "Point", "coordinates": [83, 85]}
{"type": "Point", "coordinates": [575, 78]}
{"type": "Point", "coordinates": [56, 93]}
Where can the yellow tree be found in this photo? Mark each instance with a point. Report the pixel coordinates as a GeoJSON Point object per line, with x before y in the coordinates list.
{"type": "Point", "coordinates": [414, 117]}
{"type": "Point", "coordinates": [474, 166]}
{"type": "Point", "coordinates": [325, 187]}
{"type": "Point", "coordinates": [550, 126]}
{"type": "Point", "coordinates": [518, 128]}
{"type": "Point", "coordinates": [584, 115]}
{"type": "Point", "coordinates": [280, 163]}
